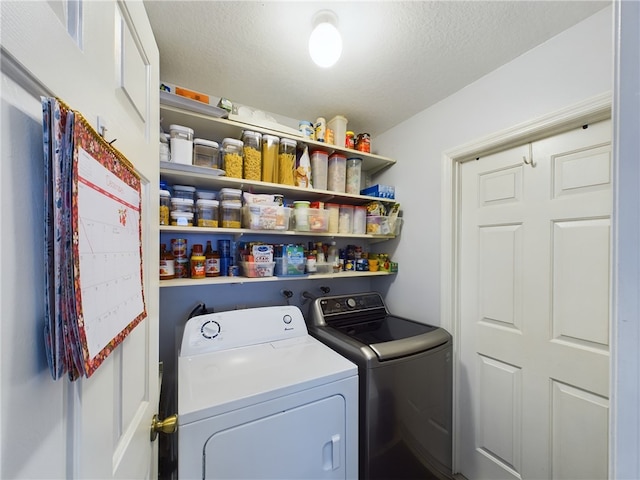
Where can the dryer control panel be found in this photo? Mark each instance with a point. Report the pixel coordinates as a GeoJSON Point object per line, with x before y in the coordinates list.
{"type": "Point", "coordinates": [239, 328]}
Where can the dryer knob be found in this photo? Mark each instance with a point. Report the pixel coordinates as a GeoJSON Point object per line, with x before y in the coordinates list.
{"type": "Point", "coordinates": [351, 303]}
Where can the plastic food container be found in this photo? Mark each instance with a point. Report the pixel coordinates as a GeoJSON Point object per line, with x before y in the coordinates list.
{"type": "Point", "coordinates": [205, 153]}
{"type": "Point", "coordinates": [252, 151]}
{"type": "Point", "coordinates": [339, 126]}
{"type": "Point", "coordinates": [181, 205]}
{"type": "Point", "coordinates": [232, 157]}
{"type": "Point", "coordinates": [345, 224]}
{"type": "Point", "coordinates": [270, 145]}
{"type": "Point", "coordinates": [319, 167]}
{"type": "Point", "coordinates": [359, 220]}
{"type": "Point", "coordinates": [324, 267]}
{"type": "Point", "coordinates": [231, 194]}
{"type": "Point", "coordinates": [252, 269]}
{"type": "Point", "coordinates": [181, 144]}
{"type": "Point", "coordinates": [231, 214]}
{"type": "Point", "coordinates": [181, 219]}
{"type": "Point", "coordinates": [287, 161]}
{"type": "Point", "coordinates": [337, 178]}
{"type": "Point", "coordinates": [165, 207]}
{"type": "Point", "coordinates": [354, 169]}
{"type": "Point", "coordinates": [311, 220]}
{"type": "Point", "coordinates": [184, 191]}
{"type": "Point", "coordinates": [334, 216]}
{"type": "Point", "coordinates": [207, 213]}
{"type": "Point", "coordinates": [377, 225]}
{"type": "Point", "coordinates": [265, 217]}
{"type": "Point", "coordinates": [205, 195]}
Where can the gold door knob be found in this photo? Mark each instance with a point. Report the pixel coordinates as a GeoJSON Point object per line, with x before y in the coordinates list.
{"type": "Point", "coordinates": [168, 425]}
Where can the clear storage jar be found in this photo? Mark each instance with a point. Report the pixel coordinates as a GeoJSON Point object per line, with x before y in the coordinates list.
{"type": "Point", "coordinates": [337, 175]}
{"type": "Point", "coordinates": [231, 214]}
{"type": "Point", "coordinates": [181, 144]}
{"type": "Point", "coordinates": [360, 220]}
{"type": "Point", "coordinates": [181, 205]}
{"type": "Point", "coordinates": [165, 207]}
{"type": "Point", "coordinates": [354, 170]}
{"type": "Point", "coordinates": [207, 213]}
{"type": "Point", "coordinates": [184, 191]}
{"type": "Point", "coordinates": [252, 151]}
{"type": "Point", "coordinates": [205, 153]}
{"type": "Point", "coordinates": [287, 161]}
{"type": "Point", "coordinates": [181, 219]}
{"type": "Point", "coordinates": [345, 224]}
{"type": "Point", "coordinates": [319, 166]}
{"type": "Point", "coordinates": [270, 145]}
{"type": "Point", "coordinates": [232, 157]}
{"type": "Point", "coordinates": [334, 216]}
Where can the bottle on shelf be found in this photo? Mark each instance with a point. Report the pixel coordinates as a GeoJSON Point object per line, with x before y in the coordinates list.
{"type": "Point", "coordinates": [212, 261]}
{"type": "Point", "coordinates": [167, 263]}
{"type": "Point", "coordinates": [198, 262]}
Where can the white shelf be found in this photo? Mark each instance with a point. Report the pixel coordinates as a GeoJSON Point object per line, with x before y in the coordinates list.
{"type": "Point", "coordinates": [188, 282]}
{"type": "Point", "coordinates": [205, 178]}
{"type": "Point", "coordinates": [240, 232]}
{"type": "Point", "coordinates": [213, 128]}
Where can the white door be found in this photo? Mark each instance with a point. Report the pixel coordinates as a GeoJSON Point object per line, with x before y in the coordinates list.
{"type": "Point", "coordinates": [101, 59]}
{"type": "Point", "coordinates": [534, 309]}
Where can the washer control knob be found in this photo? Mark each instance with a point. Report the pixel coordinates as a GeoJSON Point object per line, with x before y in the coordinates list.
{"type": "Point", "coordinates": [210, 329]}
{"type": "Point", "coordinates": [287, 319]}
{"type": "Point", "coordinates": [351, 303]}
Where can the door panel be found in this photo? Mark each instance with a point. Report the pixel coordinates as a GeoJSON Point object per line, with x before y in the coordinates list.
{"type": "Point", "coordinates": [534, 308]}
{"type": "Point", "coordinates": [105, 65]}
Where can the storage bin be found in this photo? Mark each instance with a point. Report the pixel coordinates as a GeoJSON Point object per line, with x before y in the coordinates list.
{"type": "Point", "coordinates": [181, 144]}
{"type": "Point", "coordinates": [337, 176]}
{"type": "Point", "coordinates": [311, 220]}
{"type": "Point", "coordinates": [338, 125]}
{"type": "Point", "coordinates": [205, 153]}
{"type": "Point", "coordinates": [324, 267]}
{"type": "Point", "coordinates": [207, 213]}
{"type": "Point", "coordinates": [319, 167]}
{"type": "Point", "coordinates": [377, 225]}
{"type": "Point", "coordinates": [254, 270]}
{"type": "Point", "coordinates": [266, 217]}
{"type": "Point", "coordinates": [232, 161]}
{"type": "Point", "coordinates": [252, 151]}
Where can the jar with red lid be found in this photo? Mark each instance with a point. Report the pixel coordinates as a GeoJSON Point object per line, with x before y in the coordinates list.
{"type": "Point", "coordinates": [337, 177]}
{"type": "Point", "coordinates": [363, 142]}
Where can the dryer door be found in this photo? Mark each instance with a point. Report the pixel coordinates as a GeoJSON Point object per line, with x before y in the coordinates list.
{"type": "Point", "coordinates": [307, 441]}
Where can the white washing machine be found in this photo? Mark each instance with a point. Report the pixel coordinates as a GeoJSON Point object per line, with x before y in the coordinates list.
{"type": "Point", "coordinates": [259, 398]}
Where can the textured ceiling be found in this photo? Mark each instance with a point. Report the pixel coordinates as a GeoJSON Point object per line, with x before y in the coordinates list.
{"type": "Point", "coordinates": [398, 57]}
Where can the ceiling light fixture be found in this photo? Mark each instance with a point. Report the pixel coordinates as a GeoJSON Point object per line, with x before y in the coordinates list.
{"type": "Point", "coordinates": [325, 42]}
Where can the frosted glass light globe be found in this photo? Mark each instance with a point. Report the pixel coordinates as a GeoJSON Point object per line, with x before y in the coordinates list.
{"type": "Point", "coordinates": [325, 45]}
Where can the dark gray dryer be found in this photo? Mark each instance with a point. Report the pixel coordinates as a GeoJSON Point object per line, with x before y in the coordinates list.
{"type": "Point", "coordinates": [405, 385]}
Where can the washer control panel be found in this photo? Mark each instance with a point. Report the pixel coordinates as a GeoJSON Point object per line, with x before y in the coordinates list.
{"type": "Point", "coordinates": [238, 328]}
{"type": "Point", "coordinates": [350, 303]}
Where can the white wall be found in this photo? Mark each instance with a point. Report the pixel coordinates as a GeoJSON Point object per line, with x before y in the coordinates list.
{"type": "Point", "coordinates": [569, 68]}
